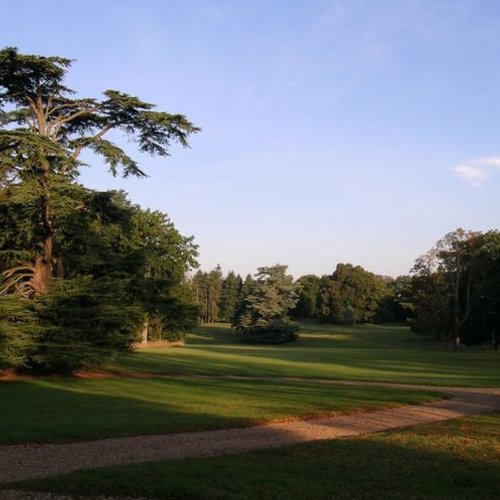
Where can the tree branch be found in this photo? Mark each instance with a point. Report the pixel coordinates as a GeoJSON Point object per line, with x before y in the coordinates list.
{"type": "Point", "coordinates": [57, 124]}
{"type": "Point", "coordinates": [78, 150]}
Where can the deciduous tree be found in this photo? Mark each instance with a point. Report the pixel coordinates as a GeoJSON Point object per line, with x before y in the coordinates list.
{"type": "Point", "coordinates": [444, 284]}
{"type": "Point", "coordinates": [307, 289]}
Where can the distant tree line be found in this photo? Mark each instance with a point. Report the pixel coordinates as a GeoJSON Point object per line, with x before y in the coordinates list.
{"type": "Point", "coordinates": [349, 295]}
{"type": "Point", "coordinates": [452, 293]}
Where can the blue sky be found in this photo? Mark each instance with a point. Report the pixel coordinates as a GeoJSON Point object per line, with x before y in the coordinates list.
{"type": "Point", "coordinates": [351, 131]}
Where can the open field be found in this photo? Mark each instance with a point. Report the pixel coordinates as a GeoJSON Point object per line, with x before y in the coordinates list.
{"type": "Point", "coordinates": [362, 352]}
{"type": "Point", "coordinates": [457, 459]}
{"type": "Point", "coordinates": [141, 399]}
{"type": "Point", "coordinates": [161, 391]}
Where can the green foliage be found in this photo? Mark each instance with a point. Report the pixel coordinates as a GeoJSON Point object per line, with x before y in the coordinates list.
{"type": "Point", "coordinates": [277, 332]}
{"type": "Point", "coordinates": [42, 105]}
{"type": "Point", "coordinates": [230, 296]}
{"type": "Point", "coordinates": [84, 322]}
{"type": "Point", "coordinates": [263, 317]}
{"type": "Point", "coordinates": [95, 266]}
{"type": "Point", "coordinates": [396, 305]}
{"type": "Point", "coordinates": [175, 315]}
{"type": "Point", "coordinates": [19, 331]}
{"type": "Point", "coordinates": [350, 294]}
{"type": "Point", "coordinates": [79, 323]}
{"type": "Point", "coordinates": [349, 318]}
{"type": "Point", "coordinates": [308, 287]}
{"type": "Point", "coordinates": [207, 288]}
{"type": "Point", "coordinates": [455, 288]}
{"type": "Point", "coordinates": [484, 322]}
{"type": "Point", "coordinates": [166, 298]}
{"type": "Point", "coordinates": [43, 131]}
{"type": "Point", "coordinates": [121, 263]}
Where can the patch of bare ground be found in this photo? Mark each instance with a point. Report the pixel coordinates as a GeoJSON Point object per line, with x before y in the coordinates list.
{"type": "Point", "coordinates": [159, 343]}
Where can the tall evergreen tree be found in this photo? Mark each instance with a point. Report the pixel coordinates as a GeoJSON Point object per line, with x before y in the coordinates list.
{"type": "Point", "coordinates": [78, 269]}
{"type": "Point", "coordinates": [44, 130]}
{"type": "Point", "coordinates": [263, 317]}
{"type": "Point", "coordinates": [207, 290]}
{"type": "Point", "coordinates": [231, 286]}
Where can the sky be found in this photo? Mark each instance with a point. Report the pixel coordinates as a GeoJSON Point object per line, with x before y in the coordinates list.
{"type": "Point", "coordinates": [357, 131]}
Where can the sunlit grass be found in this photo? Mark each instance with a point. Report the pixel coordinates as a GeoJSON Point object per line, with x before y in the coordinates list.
{"type": "Point", "coordinates": [45, 410]}
{"type": "Point", "coordinates": [362, 352]}
{"type": "Point", "coordinates": [456, 459]}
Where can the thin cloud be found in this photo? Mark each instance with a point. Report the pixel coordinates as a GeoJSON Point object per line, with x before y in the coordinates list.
{"type": "Point", "coordinates": [477, 172]}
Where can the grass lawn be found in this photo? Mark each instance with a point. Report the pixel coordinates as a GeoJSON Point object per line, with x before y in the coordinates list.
{"type": "Point", "coordinates": [362, 352]}
{"type": "Point", "coordinates": [52, 410]}
{"type": "Point", "coordinates": [55, 410]}
{"type": "Point", "coordinates": [458, 459]}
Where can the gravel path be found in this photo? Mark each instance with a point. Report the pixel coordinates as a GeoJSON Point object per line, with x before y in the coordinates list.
{"type": "Point", "coordinates": [19, 462]}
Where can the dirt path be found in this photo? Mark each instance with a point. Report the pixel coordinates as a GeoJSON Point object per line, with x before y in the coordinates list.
{"type": "Point", "coordinates": [31, 461]}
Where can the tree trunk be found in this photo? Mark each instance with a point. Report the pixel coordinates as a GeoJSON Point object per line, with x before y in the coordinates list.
{"type": "Point", "coordinates": [145, 331]}
{"type": "Point", "coordinates": [457, 326]}
{"type": "Point", "coordinates": [42, 274]}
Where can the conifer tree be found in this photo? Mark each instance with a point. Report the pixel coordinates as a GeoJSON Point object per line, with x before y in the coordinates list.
{"type": "Point", "coordinates": [44, 130]}
{"type": "Point", "coordinates": [122, 265]}
{"type": "Point", "coordinates": [263, 316]}
{"type": "Point", "coordinates": [78, 268]}
{"type": "Point", "coordinates": [229, 296]}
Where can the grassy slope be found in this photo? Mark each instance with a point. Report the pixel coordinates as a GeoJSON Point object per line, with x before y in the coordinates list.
{"type": "Point", "coordinates": [365, 352]}
{"type": "Point", "coordinates": [457, 459]}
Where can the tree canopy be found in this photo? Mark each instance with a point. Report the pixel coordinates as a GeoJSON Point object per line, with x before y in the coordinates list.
{"type": "Point", "coordinates": [455, 288]}
{"type": "Point", "coordinates": [82, 272]}
{"type": "Point", "coordinates": [45, 128]}
{"type": "Point", "coordinates": [351, 294]}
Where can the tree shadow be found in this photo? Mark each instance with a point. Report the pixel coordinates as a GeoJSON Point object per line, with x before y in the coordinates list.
{"type": "Point", "coordinates": [409, 464]}
{"type": "Point", "coordinates": [72, 410]}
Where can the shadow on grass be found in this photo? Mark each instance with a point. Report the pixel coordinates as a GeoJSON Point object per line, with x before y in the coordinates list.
{"type": "Point", "coordinates": [409, 464]}
{"type": "Point", "coordinates": [62, 411]}
{"type": "Point", "coordinates": [51, 410]}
